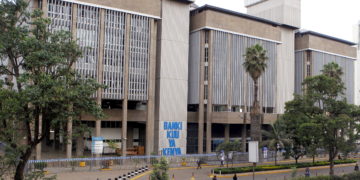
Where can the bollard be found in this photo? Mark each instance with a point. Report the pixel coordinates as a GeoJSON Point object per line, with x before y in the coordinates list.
{"type": "Point", "coordinates": [284, 177]}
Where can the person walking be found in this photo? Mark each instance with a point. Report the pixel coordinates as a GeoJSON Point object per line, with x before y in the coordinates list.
{"type": "Point", "coordinates": [356, 167]}
{"type": "Point", "coordinates": [199, 164]}
{"type": "Point", "coordinates": [235, 177]}
{"type": "Point", "coordinates": [192, 177]}
{"type": "Point", "coordinates": [307, 172]}
{"type": "Point", "coordinates": [214, 178]}
{"type": "Point", "coordinates": [222, 158]}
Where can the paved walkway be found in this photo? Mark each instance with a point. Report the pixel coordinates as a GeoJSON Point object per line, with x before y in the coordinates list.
{"type": "Point", "coordinates": [205, 174]}
{"type": "Point", "coordinates": [184, 173]}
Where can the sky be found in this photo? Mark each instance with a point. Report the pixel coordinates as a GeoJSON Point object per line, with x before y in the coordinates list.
{"type": "Point", "coordinates": [332, 17]}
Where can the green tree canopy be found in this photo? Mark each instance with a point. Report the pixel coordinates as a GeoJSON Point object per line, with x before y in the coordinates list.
{"type": "Point", "coordinates": [40, 88]}
{"type": "Point", "coordinates": [322, 116]}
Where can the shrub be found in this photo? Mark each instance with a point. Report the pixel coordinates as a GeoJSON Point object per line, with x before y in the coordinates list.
{"type": "Point", "coordinates": [277, 167]}
{"type": "Point", "coordinates": [40, 165]}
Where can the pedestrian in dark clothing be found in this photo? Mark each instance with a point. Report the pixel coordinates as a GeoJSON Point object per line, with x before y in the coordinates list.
{"type": "Point", "coordinates": [214, 178]}
{"type": "Point", "coordinates": [356, 167]}
{"type": "Point", "coordinates": [199, 164]}
{"type": "Point", "coordinates": [234, 177]}
{"type": "Point", "coordinates": [307, 172]}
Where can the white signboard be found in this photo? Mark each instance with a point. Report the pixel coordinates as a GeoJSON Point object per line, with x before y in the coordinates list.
{"type": "Point", "coordinates": [253, 151]}
{"type": "Point", "coordinates": [97, 145]}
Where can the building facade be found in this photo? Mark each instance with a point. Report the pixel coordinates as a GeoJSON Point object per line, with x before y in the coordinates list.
{"type": "Point", "coordinates": [174, 74]}
{"type": "Point", "coordinates": [314, 50]}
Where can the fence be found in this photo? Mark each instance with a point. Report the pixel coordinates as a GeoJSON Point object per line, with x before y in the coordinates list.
{"type": "Point", "coordinates": [133, 162]}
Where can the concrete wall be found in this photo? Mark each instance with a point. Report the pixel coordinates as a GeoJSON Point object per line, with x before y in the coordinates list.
{"type": "Point", "coordinates": [319, 43]}
{"type": "Point", "coordinates": [281, 11]}
{"type": "Point", "coordinates": [231, 118]}
{"type": "Point", "coordinates": [214, 19]}
{"type": "Point", "coordinates": [172, 73]}
{"type": "Point", "coordinates": [150, 7]}
{"type": "Point", "coordinates": [117, 115]}
{"type": "Point", "coordinates": [285, 69]}
{"type": "Point", "coordinates": [357, 64]}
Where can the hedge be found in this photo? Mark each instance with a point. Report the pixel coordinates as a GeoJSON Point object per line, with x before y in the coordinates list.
{"type": "Point", "coordinates": [351, 176]}
{"type": "Point", "coordinates": [277, 167]}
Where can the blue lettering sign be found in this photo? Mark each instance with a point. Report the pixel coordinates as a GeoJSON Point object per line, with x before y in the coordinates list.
{"type": "Point", "coordinates": [171, 142]}
{"type": "Point", "coordinates": [171, 151]}
{"type": "Point", "coordinates": [172, 134]}
{"type": "Point", "coordinates": [172, 125]}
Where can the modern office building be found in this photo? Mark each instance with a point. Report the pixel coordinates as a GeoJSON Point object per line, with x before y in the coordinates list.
{"type": "Point", "coordinates": [139, 50]}
{"type": "Point", "coordinates": [174, 72]}
{"type": "Point", "coordinates": [314, 50]}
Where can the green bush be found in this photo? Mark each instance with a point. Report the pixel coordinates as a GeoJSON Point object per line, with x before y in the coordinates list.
{"type": "Point", "coordinates": [320, 178]}
{"type": "Point", "coordinates": [40, 165]}
{"type": "Point", "coordinates": [277, 167]}
{"type": "Point", "coordinates": [351, 176]}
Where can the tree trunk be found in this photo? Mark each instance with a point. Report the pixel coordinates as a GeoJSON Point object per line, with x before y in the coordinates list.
{"type": "Point", "coordinates": [331, 167]}
{"type": "Point", "coordinates": [332, 156]}
{"type": "Point", "coordinates": [313, 157]}
{"type": "Point", "coordinates": [296, 160]}
{"type": "Point", "coordinates": [255, 116]}
{"type": "Point", "coordinates": [20, 168]}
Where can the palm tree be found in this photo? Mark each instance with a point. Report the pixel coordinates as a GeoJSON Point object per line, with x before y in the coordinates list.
{"type": "Point", "coordinates": [276, 138]}
{"type": "Point", "coordinates": [333, 70]}
{"type": "Point", "coordinates": [255, 65]}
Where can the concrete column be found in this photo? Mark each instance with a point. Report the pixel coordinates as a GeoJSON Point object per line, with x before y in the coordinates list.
{"type": "Point", "coordinates": [69, 134]}
{"type": "Point", "coordinates": [227, 132]}
{"type": "Point", "coordinates": [100, 69]}
{"type": "Point", "coordinates": [209, 106]}
{"type": "Point", "coordinates": [80, 145]}
{"type": "Point", "coordinates": [130, 137]}
{"type": "Point", "coordinates": [201, 95]}
{"type": "Point", "coordinates": [38, 146]}
{"type": "Point", "coordinates": [150, 121]}
{"type": "Point", "coordinates": [44, 8]}
{"type": "Point", "coordinates": [243, 134]}
{"type": "Point", "coordinates": [228, 74]}
{"type": "Point", "coordinates": [126, 84]}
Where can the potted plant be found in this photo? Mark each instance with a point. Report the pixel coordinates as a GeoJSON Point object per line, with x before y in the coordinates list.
{"type": "Point", "coordinates": [41, 166]}
{"type": "Point", "coordinates": [82, 163]}
{"type": "Point", "coordinates": [183, 161]}
{"type": "Point", "coordinates": [112, 145]}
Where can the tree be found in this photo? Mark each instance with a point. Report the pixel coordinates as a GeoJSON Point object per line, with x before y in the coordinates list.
{"type": "Point", "coordinates": [160, 170]}
{"type": "Point", "coordinates": [228, 148]}
{"type": "Point", "coordinates": [293, 126]}
{"type": "Point", "coordinates": [255, 65]}
{"type": "Point", "coordinates": [326, 114]}
{"type": "Point", "coordinates": [276, 138]}
{"type": "Point", "coordinates": [41, 89]}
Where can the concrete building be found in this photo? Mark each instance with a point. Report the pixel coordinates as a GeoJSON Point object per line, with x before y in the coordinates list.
{"type": "Point", "coordinates": [174, 74]}
{"type": "Point", "coordinates": [314, 50]}
{"type": "Point", "coordinates": [138, 49]}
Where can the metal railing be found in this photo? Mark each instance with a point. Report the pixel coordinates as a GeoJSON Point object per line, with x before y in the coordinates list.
{"type": "Point", "coordinates": [134, 162]}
